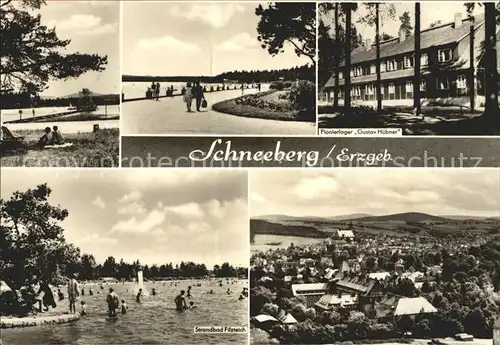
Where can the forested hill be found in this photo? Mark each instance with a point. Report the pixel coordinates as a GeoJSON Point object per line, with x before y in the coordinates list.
{"type": "Point", "coordinates": [306, 72]}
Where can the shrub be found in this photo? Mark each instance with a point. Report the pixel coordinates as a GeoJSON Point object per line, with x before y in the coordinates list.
{"type": "Point", "coordinates": [303, 95]}
{"type": "Point", "coordinates": [287, 84]}
{"type": "Point", "coordinates": [277, 85]}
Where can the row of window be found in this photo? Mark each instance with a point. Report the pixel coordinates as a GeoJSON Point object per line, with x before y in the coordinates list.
{"type": "Point", "coordinates": [444, 55]}
{"type": "Point", "coordinates": [442, 84]}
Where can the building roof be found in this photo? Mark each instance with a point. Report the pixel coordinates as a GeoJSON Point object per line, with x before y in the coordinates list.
{"type": "Point", "coordinates": [413, 306]}
{"type": "Point", "coordinates": [288, 319]}
{"type": "Point", "coordinates": [345, 233]}
{"type": "Point", "coordinates": [265, 318]}
{"type": "Point", "coordinates": [432, 37]}
{"type": "Point", "coordinates": [344, 300]}
{"type": "Point", "coordinates": [379, 275]}
{"type": "Point", "coordinates": [320, 287]}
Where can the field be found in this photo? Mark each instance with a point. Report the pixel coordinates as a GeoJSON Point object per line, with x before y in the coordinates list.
{"type": "Point", "coordinates": [270, 105]}
{"type": "Point", "coordinates": [100, 149]}
{"type": "Point", "coordinates": [415, 224]}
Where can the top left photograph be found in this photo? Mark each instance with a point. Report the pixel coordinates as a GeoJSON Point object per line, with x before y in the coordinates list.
{"type": "Point", "coordinates": [60, 82]}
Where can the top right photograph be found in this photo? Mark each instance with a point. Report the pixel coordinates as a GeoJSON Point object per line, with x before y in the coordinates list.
{"type": "Point", "coordinates": [428, 68]}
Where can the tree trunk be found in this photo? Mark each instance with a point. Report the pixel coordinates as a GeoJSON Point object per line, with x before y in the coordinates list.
{"type": "Point", "coordinates": [377, 66]}
{"type": "Point", "coordinates": [472, 73]}
{"type": "Point", "coordinates": [490, 61]}
{"type": "Point", "coordinates": [337, 56]}
{"type": "Point", "coordinates": [416, 77]}
{"type": "Point", "coordinates": [347, 73]}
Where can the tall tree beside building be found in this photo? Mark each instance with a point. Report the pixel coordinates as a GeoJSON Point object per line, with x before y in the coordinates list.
{"type": "Point", "coordinates": [490, 61]}
{"type": "Point", "coordinates": [337, 55]}
{"type": "Point", "coordinates": [416, 62]}
{"type": "Point", "coordinates": [347, 8]}
{"type": "Point", "coordinates": [374, 17]}
{"type": "Point", "coordinates": [406, 23]}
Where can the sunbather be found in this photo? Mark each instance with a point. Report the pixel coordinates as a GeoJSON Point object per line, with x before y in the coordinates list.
{"type": "Point", "coordinates": [47, 138]}
{"type": "Point", "coordinates": [57, 136]}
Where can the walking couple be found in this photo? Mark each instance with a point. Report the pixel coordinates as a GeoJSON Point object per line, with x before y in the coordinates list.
{"type": "Point", "coordinates": [194, 92]}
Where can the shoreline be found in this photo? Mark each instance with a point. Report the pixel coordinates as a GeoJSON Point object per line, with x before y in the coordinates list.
{"type": "Point", "coordinates": [38, 320]}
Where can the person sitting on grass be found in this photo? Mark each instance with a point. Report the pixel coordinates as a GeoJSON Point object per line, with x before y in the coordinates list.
{"type": "Point", "coordinates": [47, 138]}
{"type": "Point", "coordinates": [58, 139]}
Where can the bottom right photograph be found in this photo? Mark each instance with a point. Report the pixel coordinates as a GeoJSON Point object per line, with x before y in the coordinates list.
{"type": "Point", "coordinates": [381, 256]}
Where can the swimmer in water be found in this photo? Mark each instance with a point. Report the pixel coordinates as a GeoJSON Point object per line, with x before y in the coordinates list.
{"type": "Point", "coordinates": [124, 307]}
{"type": "Point", "coordinates": [229, 291]}
{"type": "Point", "coordinates": [189, 292]}
{"type": "Point", "coordinates": [211, 292]}
{"type": "Point", "coordinates": [153, 292]}
{"type": "Point", "coordinates": [138, 297]}
{"type": "Point", "coordinates": [192, 306]}
{"type": "Point", "coordinates": [180, 302]}
{"type": "Point", "coordinates": [83, 311]}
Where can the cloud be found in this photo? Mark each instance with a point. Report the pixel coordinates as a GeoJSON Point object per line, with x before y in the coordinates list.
{"type": "Point", "coordinates": [257, 197]}
{"type": "Point", "coordinates": [99, 202]}
{"type": "Point", "coordinates": [83, 24]}
{"type": "Point", "coordinates": [186, 210]}
{"type": "Point", "coordinates": [216, 15]}
{"type": "Point", "coordinates": [433, 191]}
{"type": "Point", "coordinates": [166, 45]}
{"type": "Point", "coordinates": [131, 197]}
{"type": "Point", "coordinates": [315, 187]}
{"type": "Point", "coordinates": [98, 240]}
{"type": "Point", "coordinates": [239, 42]}
{"type": "Point", "coordinates": [152, 221]}
{"type": "Point", "coordinates": [134, 208]}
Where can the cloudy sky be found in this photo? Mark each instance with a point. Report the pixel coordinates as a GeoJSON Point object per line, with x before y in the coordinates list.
{"type": "Point", "coordinates": [156, 216]}
{"type": "Point", "coordinates": [430, 12]}
{"type": "Point", "coordinates": [375, 191]}
{"type": "Point", "coordinates": [162, 38]}
{"type": "Point", "coordinates": [93, 27]}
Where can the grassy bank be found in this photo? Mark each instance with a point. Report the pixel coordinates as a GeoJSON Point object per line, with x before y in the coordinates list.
{"type": "Point", "coordinates": [265, 105]}
{"type": "Point", "coordinates": [100, 149]}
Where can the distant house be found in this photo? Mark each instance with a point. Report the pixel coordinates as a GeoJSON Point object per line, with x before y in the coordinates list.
{"type": "Point", "coordinates": [345, 234]}
{"type": "Point", "coordinates": [379, 275]}
{"type": "Point", "coordinates": [311, 292]}
{"type": "Point", "coordinates": [413, 306]}
{"type": "Point", "coordinates": [334, 302]}
{"type": "Point", "coordinates": [368, 291]}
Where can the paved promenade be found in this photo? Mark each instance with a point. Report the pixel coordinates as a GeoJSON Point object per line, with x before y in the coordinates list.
{"type": "Point", "coordinates": [169, 116]}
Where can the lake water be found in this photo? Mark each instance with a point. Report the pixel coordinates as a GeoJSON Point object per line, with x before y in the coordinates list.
{"type": "Point", "coordinates": [64, 126]}
{"type": "Point", "coordinates": [138, 89]}
{"type": "Point", "coordinates": [13, 114]}
{"type": "Point", "coordinates": [153, 321]}
{"type": "Point", "coordinates": [261, 242]}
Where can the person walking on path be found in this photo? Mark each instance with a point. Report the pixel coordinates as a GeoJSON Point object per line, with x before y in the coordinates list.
{"type": "Point", "coordinates": [198, 95]}
{"type": "Point", "coordinates": [72, 294]}
{"type": "Point", "coordinates": [188, 97]}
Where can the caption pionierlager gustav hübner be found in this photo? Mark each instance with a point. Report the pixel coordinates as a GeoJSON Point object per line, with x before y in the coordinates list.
{"type": "Point", "coordinates": [222, 151]}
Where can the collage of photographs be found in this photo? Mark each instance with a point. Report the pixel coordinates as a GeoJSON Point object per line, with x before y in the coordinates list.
{"type": "Point", "coordinates": [249, 173]}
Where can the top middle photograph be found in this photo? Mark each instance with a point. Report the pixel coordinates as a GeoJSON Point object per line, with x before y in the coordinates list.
{"type": "Point", "coordinates": [218, 68]}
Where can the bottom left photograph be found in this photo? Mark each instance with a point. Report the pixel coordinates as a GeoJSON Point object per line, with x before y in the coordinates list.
{"type": "Point", "coordinates": [123, 256]}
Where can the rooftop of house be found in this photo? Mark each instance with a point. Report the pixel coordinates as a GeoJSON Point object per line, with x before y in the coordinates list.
{"type": "Point", "coordinates": [431, 37]}
{"type": "Point", "coordinates": [413, 306]}
{"type": "Point", "coordinates": [298, 288]}
{"type": "Point", "coordinates": [344, 300]}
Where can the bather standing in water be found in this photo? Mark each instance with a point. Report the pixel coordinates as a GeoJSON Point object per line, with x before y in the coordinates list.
{"type": "Point", "coordinates": [138, 297]}
{"type": "Point", "coordinates": [180, 302]}
{"type": "Point", "coordinates": [189, 292]}
{"type": "Point", "coordinates": [72, 293]}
